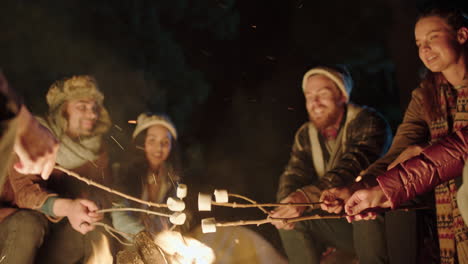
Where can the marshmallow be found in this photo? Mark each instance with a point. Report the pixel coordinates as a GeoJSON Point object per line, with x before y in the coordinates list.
{"type": "Point", "coordinates": [178, 218]}
{"type": "Point", "coordinates": [204, 202]}
{"type": "Point", "coordinates": [182, 191]}
{"type": "Point", "coordinates": [221, 196]}
{"type": "Point", "coordinates": [208, 225]}
{"type": "Point", "coordinates": [175, 204]}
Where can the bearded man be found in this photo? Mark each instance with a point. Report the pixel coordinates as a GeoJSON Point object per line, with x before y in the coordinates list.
{"type": "Point", "coordinates": [330, 150]}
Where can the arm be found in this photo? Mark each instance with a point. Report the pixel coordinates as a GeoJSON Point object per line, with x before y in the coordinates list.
{"type": "Point", "coordinates": [412, 131]}
{"type": "Point", "coordinates": [34, 144]}
{"type": "Point", "coordinates": [436, 164]}
{"type": "Point", "coordinates": [9, 108]}
{"type": "Point", "coordinates": [295, 185]}
{"type": "Point", "coordinates": [299, 171]}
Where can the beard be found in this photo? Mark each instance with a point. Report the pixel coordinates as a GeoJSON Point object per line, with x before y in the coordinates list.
{"type": "Point", "coordinates": [326, 119]}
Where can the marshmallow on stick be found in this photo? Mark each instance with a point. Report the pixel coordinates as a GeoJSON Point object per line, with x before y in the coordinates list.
{"type": "Point", "coordinates": [178, 218]}
{"type": "Point", "coordinates": [204, 202]}
{"type": "Point", "coordinates": [175, 204]}
{"type": "Point", "coordinates": [208, 225]}
{"type": "Point", "coordinates": [221, 196]}
{"type": "Point", "coordinates": [182, 191]}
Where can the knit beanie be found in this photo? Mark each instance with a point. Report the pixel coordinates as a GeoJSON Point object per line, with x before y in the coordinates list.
{"type": "Point", "coordinates": [341, 78]}
{"type": "Point", "coordinates": [75, 88]}
{"type": "Point", "coordinates": [147, 120]}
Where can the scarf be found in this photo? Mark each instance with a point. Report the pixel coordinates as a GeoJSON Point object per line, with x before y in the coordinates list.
{"type": "Point", "coordinates": [74, 153]}
{"type": "Point", "coordinates": [452, 232]}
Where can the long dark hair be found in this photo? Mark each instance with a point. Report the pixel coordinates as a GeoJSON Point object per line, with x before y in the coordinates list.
{"type": "Point", "coordinates": [172, 163]}
{"type": "Point", "coordinates": [430, 82]}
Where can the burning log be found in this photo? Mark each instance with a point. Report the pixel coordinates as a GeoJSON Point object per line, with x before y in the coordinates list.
{"type": "Point", "coordinates": [144, 251]}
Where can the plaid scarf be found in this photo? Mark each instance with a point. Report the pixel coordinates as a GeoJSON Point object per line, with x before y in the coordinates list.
{"type": "Point", "coordinates": [452, 231]}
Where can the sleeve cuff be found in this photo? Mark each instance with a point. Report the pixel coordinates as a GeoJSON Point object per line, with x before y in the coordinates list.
{"type": "Point", "coordinates": [48, 206]}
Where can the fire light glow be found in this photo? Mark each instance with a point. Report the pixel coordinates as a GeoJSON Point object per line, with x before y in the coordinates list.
{"type": "Point", "coordinates": [182, 250]}
{"type": "Point", "coordinates": [101, 252]}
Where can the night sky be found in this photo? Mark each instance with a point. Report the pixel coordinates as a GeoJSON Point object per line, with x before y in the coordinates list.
{"type": "Point", "coordinates": [227, 72]}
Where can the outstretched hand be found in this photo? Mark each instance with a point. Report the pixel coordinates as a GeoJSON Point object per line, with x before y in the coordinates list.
{"type": "Point", "coordinates": [35, 146]}
{"type": "Point", "coordinates": [289, 211]}
{"type": "Point", "coordinates": [359, 206]}
{"type": "Point", "coordinates": [81, 213]}
{"type": "Point", "coordinates": [334, 199]}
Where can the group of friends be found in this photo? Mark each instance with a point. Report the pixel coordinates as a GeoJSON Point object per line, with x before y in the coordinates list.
{"type": "Point", "coordinates": [35, 197]}
{"type": "Point", "coordinates": [343, 158]}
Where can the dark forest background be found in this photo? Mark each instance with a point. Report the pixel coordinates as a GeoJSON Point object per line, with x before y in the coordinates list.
{"type": "Point", "coordinates": [227, 72]}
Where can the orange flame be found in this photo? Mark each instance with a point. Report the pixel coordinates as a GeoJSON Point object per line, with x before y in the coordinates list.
{"type": "Point", "coordinates": [179, 249]}
{"type": "Point", "coordinates": [101, 252]}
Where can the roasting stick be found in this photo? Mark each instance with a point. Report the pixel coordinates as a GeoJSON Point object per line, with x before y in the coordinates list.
{"type": "Point", "coordinates": [100, 186]}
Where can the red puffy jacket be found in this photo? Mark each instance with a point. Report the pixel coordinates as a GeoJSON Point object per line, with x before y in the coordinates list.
{"type": "Point", "coordinates": [438, 163]}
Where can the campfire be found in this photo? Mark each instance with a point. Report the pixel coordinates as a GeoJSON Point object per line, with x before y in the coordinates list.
{"type": "Point", "coordinates": [101, 253]}
{"type": "Point", "coordinates": [167, 247]}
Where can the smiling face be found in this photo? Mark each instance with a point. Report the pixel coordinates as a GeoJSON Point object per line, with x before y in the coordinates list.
{"type": "Point", "coordinates": [82, 116]}
{"type": "Point", "coordinates": [324, 101]}
{"type": "Point", "coordinates": [440, 46]}
{"type": "Point", "coordinates": [158, 145]}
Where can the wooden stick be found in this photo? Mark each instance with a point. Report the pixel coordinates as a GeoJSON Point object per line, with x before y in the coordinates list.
{"type": "Point", "coordinates": [283, 220]}
{"type": "Point", "coordinates": [126, 209]}
{"type": "Point", "coordinates": [100, 186]}
{"type": "Point", "coordinates": [299, 219]}
{"type": "Point", "coordinates": [247, 199]}
{"type": "Point", "coordinates": [112, 230]}
{"type": "Point", "coordinates": [258, 205]}
{"type": "Point", "coordinates": [237, 205]}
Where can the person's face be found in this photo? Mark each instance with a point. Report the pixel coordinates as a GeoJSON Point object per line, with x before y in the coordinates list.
{"type": "Point", "coordinates": [158, 145]}
{"type": "Point", "coordinates": [324, 101]}
{"type": "Point", "coordinates": [82, 116]}
{"type": "Point", "coordinates": [440, 47]}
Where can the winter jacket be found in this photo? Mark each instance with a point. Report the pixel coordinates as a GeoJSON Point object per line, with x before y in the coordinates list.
{"type": "Point", "coordinates": [414, 130]}
{"type": "Point", "coordinates": [31, 192]}
{"type": "Point", "coordinates": [436, 164]}
{"type": "Point", "coordinates": [366, 138]}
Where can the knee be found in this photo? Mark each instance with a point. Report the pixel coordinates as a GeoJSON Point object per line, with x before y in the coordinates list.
{"type": "Point", "coordinates": [31, 224]}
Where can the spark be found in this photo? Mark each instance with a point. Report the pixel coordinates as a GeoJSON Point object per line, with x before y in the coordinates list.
{"type": "Point", "coordinates": [132, 121]}
{"type": "Point", "coordinates": [119, 128]}
{"type": "Point", "coordinates": [117, 143]}
{"type": "Point", "coordinates": [140, 147]}
{"type": "Point", "coordinates": [254, 26]}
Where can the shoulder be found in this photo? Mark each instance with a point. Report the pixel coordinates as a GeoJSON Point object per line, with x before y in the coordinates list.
{"type": "Point", "coordinates": [301, 138]}
{"type": "Point", "coordinates": [368, 117]}
{"type": "Point", "coordinates": [366, 113]}
{"type": "Point", "coordinates": [417, 94]}
{"type": "Point", "coordinates": [303, 132]}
